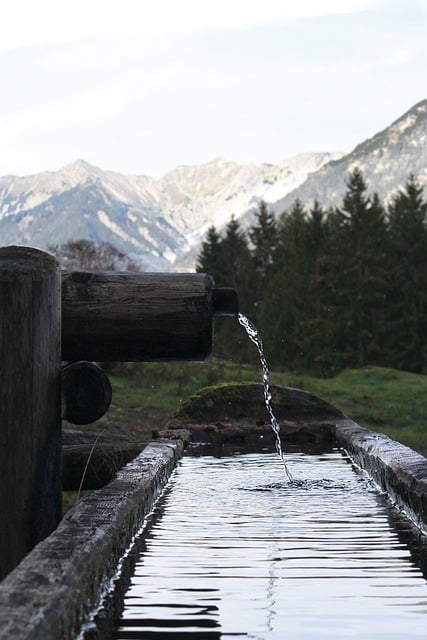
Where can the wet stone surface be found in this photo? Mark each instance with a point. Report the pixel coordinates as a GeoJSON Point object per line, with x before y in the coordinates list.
{"type": "Point", "coordinates": [50, 594]}
{"type": "Point", "coordinates": [397, 469]}
{"type": "Point", "coordinates": [237, 413]}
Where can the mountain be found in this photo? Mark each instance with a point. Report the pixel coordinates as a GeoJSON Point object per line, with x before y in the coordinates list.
{"type": "Point", "coordinates": [154, 221]}
{"type": "Point", "coordinates": [386, 160]}
{"type": "Point", "coordinates": [161, 223]}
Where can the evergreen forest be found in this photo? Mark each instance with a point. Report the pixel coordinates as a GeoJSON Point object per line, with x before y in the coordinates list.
{"type": "Point", "coordinates": [328, 289]}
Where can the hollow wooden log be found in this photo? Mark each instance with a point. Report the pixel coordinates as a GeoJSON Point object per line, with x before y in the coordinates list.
{"type": "Point", "coordinates": [136, 316]}
{"type": "Point", "coordinates": [131, 317]}
{"type": "Point", "coordinates": [30, 408]}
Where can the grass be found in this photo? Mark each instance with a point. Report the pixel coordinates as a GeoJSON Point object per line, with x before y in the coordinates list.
{"type": "Point", "coordinates": [146, 395]}
{"type": "Point", "coordinates": [385, 400]}
{"type": "Point", "coordinates": [393, 402]}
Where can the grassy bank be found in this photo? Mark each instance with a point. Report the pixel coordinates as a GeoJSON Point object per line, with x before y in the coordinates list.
{"type": "Point", "coordinates": [385, 400]}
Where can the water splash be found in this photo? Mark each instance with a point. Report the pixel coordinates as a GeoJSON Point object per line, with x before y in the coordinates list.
{"type": "Point", "coordinates": [254, 336]}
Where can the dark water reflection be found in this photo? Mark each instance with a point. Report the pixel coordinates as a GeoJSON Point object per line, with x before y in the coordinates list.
{"type": "Point", "coordinates": [235, 550]}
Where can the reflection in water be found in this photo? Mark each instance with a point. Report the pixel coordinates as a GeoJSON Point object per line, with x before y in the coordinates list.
{"type": "Point", "coordinates": [235, 550]}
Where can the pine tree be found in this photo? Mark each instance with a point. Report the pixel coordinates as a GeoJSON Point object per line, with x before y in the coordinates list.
{"type": "Point", "coordinates": [211, 257]}
{"type": "Point", "coordinates": [263, 236]}
{"type": "Point", "coordinates": [234, 267]}
{"type": "Point", "coordinates": [315, 324]}
{"type": "Point", "coordinates": [360, 280]}
{"type": "Point", "coordinates": [286, 293]}
{"type": "Point", "coordinates": [329, 290]}
{"type": "Point", "coordinates": [408, 239]}
{"type": "Point", "coordinates": [236, 252]}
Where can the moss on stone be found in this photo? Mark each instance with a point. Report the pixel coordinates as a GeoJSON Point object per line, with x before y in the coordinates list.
{"type": "Point", "coordinates": [225, 392]}
{"type": "Point", "coordinates": [240, 402]}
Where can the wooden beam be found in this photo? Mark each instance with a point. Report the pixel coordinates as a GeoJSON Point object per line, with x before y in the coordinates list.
{"type": "Point", "coordinates": [113, 316]}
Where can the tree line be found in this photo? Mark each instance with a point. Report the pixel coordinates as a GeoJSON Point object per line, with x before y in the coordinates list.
{"type": "Point", "coordinates": [329, 288]}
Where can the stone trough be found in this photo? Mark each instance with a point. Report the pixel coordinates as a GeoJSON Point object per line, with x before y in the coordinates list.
{"type": "Point", "coordinates": [53, 590]}
{"type": "Point", "coordinates": [52, 593]}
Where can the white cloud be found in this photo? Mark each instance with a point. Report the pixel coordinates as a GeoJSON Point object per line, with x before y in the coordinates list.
{"type": "Point", "coordinates": [25, 22]}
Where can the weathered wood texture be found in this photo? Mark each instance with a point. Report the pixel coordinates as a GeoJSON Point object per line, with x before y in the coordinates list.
{"type": "Point", "coordinates": [30, 427]}
{"type": "Point", "coordinates": [94, 457]}
{"type": "Point", "coordinates": [136, 316]}
{"type": "Point", "coordinates": [52, 593]}
{"type": "Point", "coordinates": [86, 392]}
{"type": "Point", "coordinates": [92, 468]}
{"type": "Point", "coordinates": [72, 437]}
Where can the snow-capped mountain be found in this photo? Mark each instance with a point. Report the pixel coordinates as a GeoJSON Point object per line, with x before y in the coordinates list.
{"type": "Point", "coordinates": [154, 221]}
{"type": "Point", "coordinates": [160, 223]}
{"type": "Point", "coordinates": [386, 160]}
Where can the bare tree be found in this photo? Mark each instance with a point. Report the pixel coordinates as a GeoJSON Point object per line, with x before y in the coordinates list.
{"type": "Point", "coordinates": [92, 256]}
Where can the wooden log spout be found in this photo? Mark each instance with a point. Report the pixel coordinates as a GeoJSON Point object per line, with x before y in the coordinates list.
{"type": "Point", "coordinates": [112, 316]}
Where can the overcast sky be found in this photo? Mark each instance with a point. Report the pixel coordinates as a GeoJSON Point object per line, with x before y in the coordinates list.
{"type": "Point", "coordinates": [142, 86]}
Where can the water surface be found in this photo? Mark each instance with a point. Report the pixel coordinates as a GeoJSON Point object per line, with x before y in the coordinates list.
{"type": "Point", "coordinates": [235, 550]}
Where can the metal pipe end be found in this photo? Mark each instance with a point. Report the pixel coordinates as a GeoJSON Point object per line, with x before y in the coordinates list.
{"type": "Point", "coordinates": [225, 302]}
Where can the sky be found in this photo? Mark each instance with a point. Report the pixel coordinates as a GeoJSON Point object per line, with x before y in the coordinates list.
{"type": "Point", "coordinates": [141, 87]}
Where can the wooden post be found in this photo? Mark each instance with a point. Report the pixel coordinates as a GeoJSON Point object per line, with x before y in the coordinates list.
{"type": "Point", "coordinates": [30, 409]}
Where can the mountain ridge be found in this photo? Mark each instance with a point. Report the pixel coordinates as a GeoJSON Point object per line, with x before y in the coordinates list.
{"type": "Point", "coordinates": [154, 221]}
{"type": "Point", "coordinates": [160, 223]}
{"type": "Point", "coordinates": [386, 160]}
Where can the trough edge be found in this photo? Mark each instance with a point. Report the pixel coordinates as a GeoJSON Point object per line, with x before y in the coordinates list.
{"type": "Point", "coordinates": [397, 469]}
{"type": "Point", "coordinates": [54, 589]}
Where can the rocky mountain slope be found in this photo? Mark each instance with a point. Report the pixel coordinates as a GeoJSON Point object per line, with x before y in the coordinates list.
{"type": "Point", "coordinates": [160, 223]}
{"type": "Point", "coordinates": [386, 160]}
{"type": "Point", "coordinates": [154, 221]}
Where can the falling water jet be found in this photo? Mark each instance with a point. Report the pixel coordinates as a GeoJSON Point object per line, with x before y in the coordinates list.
{"type": "Point", "coordinates": [254, 336]}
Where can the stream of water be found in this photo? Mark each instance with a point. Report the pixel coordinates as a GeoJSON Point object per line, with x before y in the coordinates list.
{"type": "Point", "coordinates": [255, 337]}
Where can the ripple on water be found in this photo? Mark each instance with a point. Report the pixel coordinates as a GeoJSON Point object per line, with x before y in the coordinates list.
{"type": "Point", "coordinates": [302, 484]}
{"type": "Point", "coordinates": [234, 549]}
